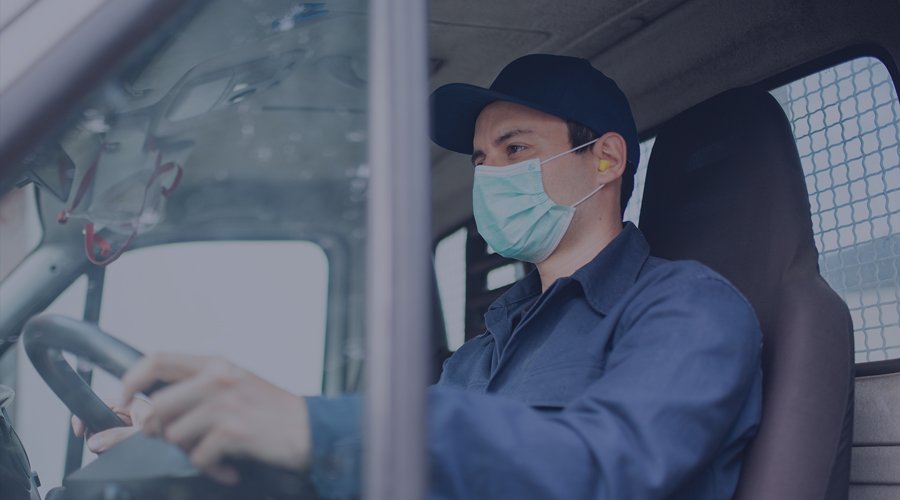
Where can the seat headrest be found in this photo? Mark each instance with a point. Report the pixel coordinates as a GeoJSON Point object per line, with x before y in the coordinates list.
{"type": "Point", "coordinates": [725, 186]}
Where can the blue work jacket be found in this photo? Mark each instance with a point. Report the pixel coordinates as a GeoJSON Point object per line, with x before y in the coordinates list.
{"type": "Point", "coordinates": [634, 378]}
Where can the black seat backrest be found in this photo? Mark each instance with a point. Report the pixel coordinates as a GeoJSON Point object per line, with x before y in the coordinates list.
{"type": "Point", "coordinates": [725, 186]}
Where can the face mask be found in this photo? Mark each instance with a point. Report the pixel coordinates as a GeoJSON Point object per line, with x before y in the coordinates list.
{"type": "Point", "coordinates": [513, 212]}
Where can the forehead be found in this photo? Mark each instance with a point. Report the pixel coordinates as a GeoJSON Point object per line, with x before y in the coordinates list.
{"type": "Point", "coordinates": [499, 116]}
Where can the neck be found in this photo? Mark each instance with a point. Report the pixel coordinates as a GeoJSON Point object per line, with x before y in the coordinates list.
{"type": "Point", "coordinates": [573, 253]}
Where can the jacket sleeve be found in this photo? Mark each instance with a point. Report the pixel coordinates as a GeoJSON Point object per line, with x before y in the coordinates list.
{"type": "Point", "coordinates": [680, 372]}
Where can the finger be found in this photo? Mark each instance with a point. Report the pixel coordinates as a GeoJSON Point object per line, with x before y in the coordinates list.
{"type": "Point", "coordinates": [102, 441]}
{"type": "Point", "coordinates": [209, 456]}
{"type": "Point", "coordinates": [158, 367]}
{"type": "Point", "coordinates": [190, 428]}
{"type": "Point", "coordinates": [78, 427]}
{"type": "Point", "coordinates": [123, 414]}
{"type": "Point", "coordinates": [175, 401]}
{"type": "Point", "coordinates": [139, 409]}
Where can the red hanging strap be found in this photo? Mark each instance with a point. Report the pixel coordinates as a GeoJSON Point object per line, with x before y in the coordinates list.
{"type": "Point", "coordinates": [83, 186]}
{"type": "Point", "coordinates": [91, 239]}
{"type": "Point", "coordinates": [162, 169]}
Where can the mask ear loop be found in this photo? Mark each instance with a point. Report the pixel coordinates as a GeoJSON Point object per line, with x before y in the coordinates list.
{"type": "Point", "coordinates": [576, 148]}
{"type": "Point", "coordinates": [592, 193]}
{"type": "Point", "coordinates": [91, 238]}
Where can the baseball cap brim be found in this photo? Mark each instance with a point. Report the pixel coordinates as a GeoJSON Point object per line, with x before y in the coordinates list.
{"type": "Point", "coordinates": [455, 108]}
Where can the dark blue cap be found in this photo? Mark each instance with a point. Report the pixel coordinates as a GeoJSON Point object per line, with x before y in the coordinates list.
{"type": "Point", "coordinates": [565, 87]}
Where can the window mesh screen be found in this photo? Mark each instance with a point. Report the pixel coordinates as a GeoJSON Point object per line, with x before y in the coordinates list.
{"type": "Point", "coordinates": [846, 120]}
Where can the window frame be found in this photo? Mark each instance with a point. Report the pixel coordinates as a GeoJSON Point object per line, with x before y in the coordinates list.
{"type": "Point", "coordinates": [397, 250]}
{"type": "Point", "coordinates": [865, 368]}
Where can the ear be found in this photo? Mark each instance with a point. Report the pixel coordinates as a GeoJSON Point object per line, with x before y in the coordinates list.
{"type": "Point", "coordinates": [611, 155]}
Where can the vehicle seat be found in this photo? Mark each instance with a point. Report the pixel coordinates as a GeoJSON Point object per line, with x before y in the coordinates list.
{"type": "Point", "coordinates": [725, 186]}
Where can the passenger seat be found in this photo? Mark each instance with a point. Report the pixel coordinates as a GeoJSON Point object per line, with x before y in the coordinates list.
{"type": "Point", "coordinates": [725, 186]}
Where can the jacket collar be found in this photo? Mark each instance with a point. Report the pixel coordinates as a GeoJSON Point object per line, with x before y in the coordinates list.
{"type": "Point", "coordinates": [607, 277]}
{"type": "Point", "coordinates": [604, 279]}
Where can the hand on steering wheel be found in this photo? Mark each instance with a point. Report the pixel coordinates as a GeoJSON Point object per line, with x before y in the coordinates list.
{"type": "Point", "coordinates": [47, 336]}
{"type": "Point", "coordinates": [218, 413]}
{"type": "Point", "coordinates": [133, 415]}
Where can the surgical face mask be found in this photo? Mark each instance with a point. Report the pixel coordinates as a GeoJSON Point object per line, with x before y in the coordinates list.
{"type": "Point", "coordinates": [515, 215]}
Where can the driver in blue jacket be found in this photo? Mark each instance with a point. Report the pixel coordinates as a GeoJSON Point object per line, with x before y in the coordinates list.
{"type": "Point", "coordinates": [605, 373]}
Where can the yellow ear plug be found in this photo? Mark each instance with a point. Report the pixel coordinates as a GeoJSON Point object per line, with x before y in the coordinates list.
{"type": "Point", "coordinates": [602, 165]}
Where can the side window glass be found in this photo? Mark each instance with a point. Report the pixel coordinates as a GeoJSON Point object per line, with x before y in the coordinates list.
{"type": "Point", "coordinates": [263, 302]}
{"type": "Point", "coordinates": [846, 120]}
{"type": "Point", "coordinates": [450, 268]}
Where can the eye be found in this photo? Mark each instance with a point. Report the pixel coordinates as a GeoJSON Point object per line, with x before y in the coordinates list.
{"type": "Point", "coordinates": [513, 149]}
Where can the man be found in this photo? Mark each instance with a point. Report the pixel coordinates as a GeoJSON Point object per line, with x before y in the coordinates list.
{"type": "Point", "coordinates": [606, 373]}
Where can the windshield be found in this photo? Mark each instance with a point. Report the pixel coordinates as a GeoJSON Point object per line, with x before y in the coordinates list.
{"type": "Point", "coordinates": [219, 176]}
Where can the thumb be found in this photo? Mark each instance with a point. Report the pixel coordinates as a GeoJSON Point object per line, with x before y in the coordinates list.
{"type": "Point", "coordinates": [102, 441]}
{"type": "Point", "coordinates": [78, 427]}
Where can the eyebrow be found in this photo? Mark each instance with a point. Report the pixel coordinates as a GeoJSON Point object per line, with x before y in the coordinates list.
{"type": "Point", "coordinates": [500, 140]}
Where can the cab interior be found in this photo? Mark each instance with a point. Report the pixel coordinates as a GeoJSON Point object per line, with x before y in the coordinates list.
{"type": "Point", "coordinates": [263, 108]}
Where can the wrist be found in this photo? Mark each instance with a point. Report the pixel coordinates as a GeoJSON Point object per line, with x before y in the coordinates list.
{"type": "Point", "coordinates": [302, 451]}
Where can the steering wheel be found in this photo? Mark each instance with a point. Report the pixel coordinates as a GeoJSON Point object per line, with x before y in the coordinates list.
{"type": "Point", "coordinates": [45, 338]}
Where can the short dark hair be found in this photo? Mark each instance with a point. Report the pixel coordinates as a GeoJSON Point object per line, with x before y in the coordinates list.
{"type": "Point", "coordinates": [580, 134]}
